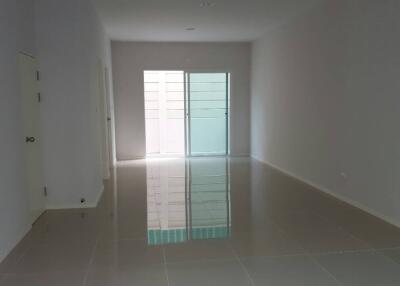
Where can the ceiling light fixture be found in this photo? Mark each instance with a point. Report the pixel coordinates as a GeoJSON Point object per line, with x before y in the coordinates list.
{"type": "Point", "coordinates": [207, 4]}
{"type": "Point", "coordinates": [190, 29]}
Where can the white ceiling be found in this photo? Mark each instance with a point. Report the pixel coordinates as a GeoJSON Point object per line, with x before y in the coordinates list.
{"type": "Point", "coordinates": [167, 20]}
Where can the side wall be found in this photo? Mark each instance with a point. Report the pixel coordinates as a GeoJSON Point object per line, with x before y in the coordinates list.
{"type": "Point", "coordinates": [325, 103]}
{"type": "Point", "coordinates": [130, 59]}
{"type": "Point", "coordinates": [68, 41]}
{"type": "Point", "coordinates": [71, 42]}
{"type": "Point", "coordinates": [16, 22]}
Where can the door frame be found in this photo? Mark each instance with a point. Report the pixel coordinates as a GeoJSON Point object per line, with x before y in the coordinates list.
{"type": "Point", "coordinates": [229, 74]}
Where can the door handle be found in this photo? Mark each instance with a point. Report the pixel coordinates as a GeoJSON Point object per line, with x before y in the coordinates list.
{"type": "Point", "coordinates": [30, 139]}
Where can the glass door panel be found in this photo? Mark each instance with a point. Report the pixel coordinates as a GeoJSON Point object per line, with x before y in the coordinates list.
{"type": "Point", "coordinates": [207, 104]}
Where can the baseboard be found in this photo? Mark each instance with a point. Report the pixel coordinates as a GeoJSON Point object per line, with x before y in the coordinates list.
{"type": "Point", "coordinates": [124, 159]}
{"type": "Point", "coordinates": [127, 161]}
{"type": "Point", "coordinates": [239, 155]}
{"type": "Point", "coordinates": [78, 206]}
{"type": "Point", "coordinates": [331, 193]}
{"type": "Point", "coordinates": [99, 195]}
{"type": "Point", "coordinates": [71, 206]}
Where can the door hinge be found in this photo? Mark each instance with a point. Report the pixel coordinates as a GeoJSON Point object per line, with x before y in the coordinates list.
{"type": "Point", "coordinates": [37, 75]}
{"type": "Point", "coordinates": [39, 97]}
{"type": "Point", "coordinates": [45, 191]}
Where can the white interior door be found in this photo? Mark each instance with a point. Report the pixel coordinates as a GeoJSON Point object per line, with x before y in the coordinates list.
{"type": "Point", "coordinates": [102, 117]}
{"type": "Point", "coordinates": [30, 101]}
{"type": "Point", "coordinates": [109, 117]}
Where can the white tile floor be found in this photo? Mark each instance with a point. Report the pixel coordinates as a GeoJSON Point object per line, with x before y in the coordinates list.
{"type": "Point", "coordinates": [206, 221]}
{"type": "Point", "coordinates": [300, 270]}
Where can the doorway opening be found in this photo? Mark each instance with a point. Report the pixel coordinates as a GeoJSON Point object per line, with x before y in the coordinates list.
{"type": "Point", "coordinates": [187, 113]}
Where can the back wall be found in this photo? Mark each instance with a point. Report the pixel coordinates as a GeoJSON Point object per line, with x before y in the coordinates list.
{"type": "Point", "coordinates": [130, 59]}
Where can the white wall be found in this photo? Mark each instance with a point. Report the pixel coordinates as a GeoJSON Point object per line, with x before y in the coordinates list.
{"type": "Point", "coordinates": [15, 19]}
{"type": "Point", "coordinates": [26, 40]}
{"type": "Point", "coordinates": [130, 59]}
{"type": "Point", "coordinates": [325, 100]}
{"type": "Point", "coordinates": [70, 41]}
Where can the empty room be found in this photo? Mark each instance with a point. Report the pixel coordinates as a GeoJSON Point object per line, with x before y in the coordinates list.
{"type": "Point", "coordinates": [191, 142]}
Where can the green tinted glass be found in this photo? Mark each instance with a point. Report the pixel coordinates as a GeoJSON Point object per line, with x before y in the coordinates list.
{"type": "Point", "coordinates": [208, 113]}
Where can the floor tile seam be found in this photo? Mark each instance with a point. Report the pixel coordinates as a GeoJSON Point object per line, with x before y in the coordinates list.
{"type": "Point", "coordinates": [306, 254]}
{"type": "Point", "coordinates": [338, 226]}
{"type": "Point", "coordinates": [347, 231]}
{"type": "Point", "coordinates": [324, 269]}
{"type": "Point", "coordinates": [391, 259]}
{"type": "Point", "coordinates": [387, 248]}
{"type": "Point", "coordinates": [30, 246]}
{"type": "Point", "coordinates": [90, 263]}
{"type": "Point", "coordinates": [31, 273]}
{"type": "Point", "coordinates": [273, 256]}
{"type": "Point", "coordinates": [380, 251]}
{"type": "Point", "coordinates": [306, 251]}
{"type": "Point", "coordinates": [21, 256]}
{"type": "Point", "coordinates": [123, 239]}
{"type": "Point", "coordinates": [382, 248]}
{"type": "Point", "coordinates": [165, 265]}
{"type": "Point", "coordinates": [71, 243]}
{"type": "Point", "coordinates": [350, 252]}
{"type": "Point", "coordinates": [368, 247]}
{"type": "Point", "coordinates": [341, 251]}
{"type": "Point", "coordinates": [385, 257]}
{"type": "Point", "coordinates": [299, 255]}
{"type": "Point", "coordinates": [246, 271]}
{"type": "Point", "coordinates": [233, 258]}
{"type": "Point", "coordinates": [135, 265]}
{"type": "Point", "coordinates": [287, 236]}
{"type": "Point", "coordinates": [356, 237]}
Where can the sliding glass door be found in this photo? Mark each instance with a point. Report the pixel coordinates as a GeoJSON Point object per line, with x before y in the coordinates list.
{"type": "Point", "coordinates": [207, 109]}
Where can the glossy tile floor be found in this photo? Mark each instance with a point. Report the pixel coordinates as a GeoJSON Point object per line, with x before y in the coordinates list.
{"type": "Point", "coordinates": [208, 221]}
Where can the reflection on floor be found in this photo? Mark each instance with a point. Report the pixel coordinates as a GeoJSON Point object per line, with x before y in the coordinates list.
{"type": "Point", "coordinates": [206, 221]}
{"type": "Point", "coordinates": [187, 200]}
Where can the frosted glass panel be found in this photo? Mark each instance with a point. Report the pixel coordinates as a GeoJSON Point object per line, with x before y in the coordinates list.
{"type": "Point", "coordinates": [208, 113]}
{"type": "Point", "coordinates": [164, 112]}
